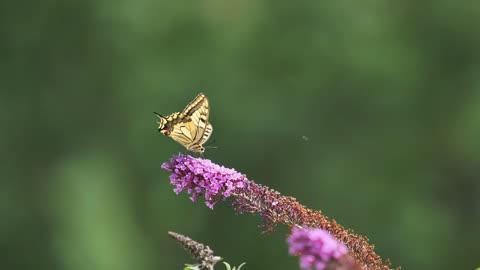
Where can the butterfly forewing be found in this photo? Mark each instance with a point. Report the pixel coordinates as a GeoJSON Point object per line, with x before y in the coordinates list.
{"type": "Point", "coordinates": [200, 102]}
{"type": "Point", "coordinates": [182, 134]}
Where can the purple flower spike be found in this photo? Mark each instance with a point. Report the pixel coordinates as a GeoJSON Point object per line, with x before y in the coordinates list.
{"type": "Point", "coordinates": [316, 247]}
{"type": "Point", "coordinates": [202, 177]}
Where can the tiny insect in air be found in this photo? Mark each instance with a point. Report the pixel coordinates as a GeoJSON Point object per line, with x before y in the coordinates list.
{"type": "Point", "coordinates": [189, 127]}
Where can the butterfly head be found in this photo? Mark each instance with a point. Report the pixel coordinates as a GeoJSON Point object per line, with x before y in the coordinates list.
{"type": "Point", "coordinates": [163, 124]}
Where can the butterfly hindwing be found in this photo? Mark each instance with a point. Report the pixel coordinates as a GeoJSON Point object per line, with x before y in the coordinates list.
{"type": "Point", "coordinates": [206, 134]}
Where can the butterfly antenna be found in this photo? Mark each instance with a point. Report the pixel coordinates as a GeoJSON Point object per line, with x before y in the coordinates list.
{"type": "Point", "coordinates": [157, 114]}
{"type": "Point", "coordinates": [209, 145]}
{"type": "Point", "coordinates": [212, 142]}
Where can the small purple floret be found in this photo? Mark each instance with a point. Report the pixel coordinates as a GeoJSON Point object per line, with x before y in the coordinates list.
{"type": "Point", "coordinates": [202, 177]}
{"type": "Point", "coordinates": [316, 248]}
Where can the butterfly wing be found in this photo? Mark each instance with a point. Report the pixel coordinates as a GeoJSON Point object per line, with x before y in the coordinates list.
{"type": "Point", "coordinates": [206, 134]}
{"type": "Point", "coordinates": [183, 133]}
{"type": "Point", "coordinates": [195, 129]}
{"type": "Point", "coordinates": [199, 103]}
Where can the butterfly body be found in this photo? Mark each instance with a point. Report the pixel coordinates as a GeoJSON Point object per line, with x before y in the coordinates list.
{"type": "Point", "coordinates": [190, 127]}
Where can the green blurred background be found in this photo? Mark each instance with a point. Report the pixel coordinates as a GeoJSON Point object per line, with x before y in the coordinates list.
{"type": "Point", "coordinates": [367, 110]}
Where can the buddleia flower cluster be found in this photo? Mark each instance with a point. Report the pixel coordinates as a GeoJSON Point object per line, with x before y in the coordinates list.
{"type": "Point", "coordinates": [319, 250]}
{"type": "Point", "coordinates": [202, 178]}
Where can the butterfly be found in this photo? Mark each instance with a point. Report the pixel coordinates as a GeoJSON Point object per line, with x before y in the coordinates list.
{"type": "Point", "coordinates": [190, 127]}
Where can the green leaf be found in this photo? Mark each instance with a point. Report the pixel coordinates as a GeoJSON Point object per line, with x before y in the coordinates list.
{"type": "Point", "coordinates": [191, 267]}
{"type": "Point", "coordinates": [227, 266]}
{"type": "Point", "coordinates": [240, 266]}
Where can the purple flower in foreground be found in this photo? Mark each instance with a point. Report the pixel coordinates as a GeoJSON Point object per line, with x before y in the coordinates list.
{"type": "Point", "coordinates": [202, 177]}
{"type": "Point", "coordinates": [316, 247]}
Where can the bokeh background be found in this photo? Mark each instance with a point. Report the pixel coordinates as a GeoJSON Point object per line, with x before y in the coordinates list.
{"type": "Point", "coordinates": [367, 110]}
